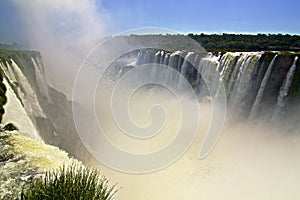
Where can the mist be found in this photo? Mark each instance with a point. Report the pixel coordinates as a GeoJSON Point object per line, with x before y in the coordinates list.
{"type": "Point", "coordinates": [64, 32]}
{"type": "Point", "coordinates": [249, 161]}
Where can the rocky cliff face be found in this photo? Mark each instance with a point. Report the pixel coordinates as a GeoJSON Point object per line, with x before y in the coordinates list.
{"type": "Point", "coordinates": [36, 108]}
{"type": "Point", "coordinates": [42, 116]}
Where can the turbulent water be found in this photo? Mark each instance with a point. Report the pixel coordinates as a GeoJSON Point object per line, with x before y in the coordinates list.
{"type": "Point", "coordinates": [23, 159]}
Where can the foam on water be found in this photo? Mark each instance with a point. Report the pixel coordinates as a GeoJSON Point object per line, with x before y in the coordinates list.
{"type": "Point", "coordinates": [27, 159]}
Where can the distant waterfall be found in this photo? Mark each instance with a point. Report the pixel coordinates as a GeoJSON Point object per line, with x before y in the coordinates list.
{"type": "Point", "coordinates": [284, 90]}
{"type": "Point", "coordinates": [262, 89]}
{"type": "Point", "coordinates": [41, 80]}
{"type": "Point", "coordinates": [31, 102]}
{"type": "Point", "coordinates": [243, 82]}
{"type": "Point", "coordinates": [245, 76]}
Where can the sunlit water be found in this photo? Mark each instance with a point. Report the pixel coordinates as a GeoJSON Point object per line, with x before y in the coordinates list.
{"type": "Point", "coordinates": [23, 159]}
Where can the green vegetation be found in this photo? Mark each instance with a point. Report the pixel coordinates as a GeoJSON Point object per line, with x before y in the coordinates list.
{"type": "Point", "coordinates": [24, 172]}
{"type": "Point", "coordinates": [222, 42]}
{"type": "Point", "coordinates": [242, 42]}
{"type": "Point", "coordinates": [10, 127]}
{"type": "Point", "coordinates": [12, 46]}
{"type": "Point", "coordinates": [3, 98]}
{"type": "Point", "coordinates": [6, 55]}
{"type": "Point", "coordinates": [211, 42]}
{"type": "Point", "coordinates": [6, 148]}
{"type": "Point", "coordinates": [70, 183]}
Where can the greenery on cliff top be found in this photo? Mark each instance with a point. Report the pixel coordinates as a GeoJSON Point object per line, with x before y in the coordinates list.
{"type": "Point", "coordinates": [6, 55]}
{"type": "Point", "coordinates": [210, 42]}
{"type": "Point", "coordinates": [3, 98]}
{"type": "Point", "coordinates": [13, 46]}
{"type": "Point", "coordinates": [226, 42]}
{"type": "Point", "coordinates": [242, 42]}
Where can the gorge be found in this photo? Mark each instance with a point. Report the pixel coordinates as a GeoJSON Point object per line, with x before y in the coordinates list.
{"type": "Point", "coordinates": [262, 90]}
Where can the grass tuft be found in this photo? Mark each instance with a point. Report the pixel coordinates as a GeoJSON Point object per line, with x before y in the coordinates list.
{"type": "Point", "coordinates": [70, 183]}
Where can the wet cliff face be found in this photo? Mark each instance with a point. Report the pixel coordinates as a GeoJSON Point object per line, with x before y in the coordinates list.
{"type": "Point", "coordinates": [36, 108]}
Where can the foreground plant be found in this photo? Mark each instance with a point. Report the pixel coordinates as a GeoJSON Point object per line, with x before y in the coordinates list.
{"type": "Point", "coordinates": [70, 183]}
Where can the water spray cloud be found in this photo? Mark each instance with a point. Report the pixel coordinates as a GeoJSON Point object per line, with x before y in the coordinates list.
{"type": "Point", "coordinates": [64, 31]}
{"type": "Point", "coordinates": [109, 112]}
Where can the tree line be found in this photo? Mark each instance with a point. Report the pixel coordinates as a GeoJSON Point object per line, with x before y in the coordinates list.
{"type": "Point", "coordinates": [243, 42]}
{"type": "Point", "coordinates": [224, 42]}
{"type": "Point", "coordinates": [210, 42]}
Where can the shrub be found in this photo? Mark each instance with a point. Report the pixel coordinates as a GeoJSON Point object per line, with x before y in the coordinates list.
{"type": "Point", "coordinates": [70, 183]}
{"type": "Point", "coordinates": [10, 127]}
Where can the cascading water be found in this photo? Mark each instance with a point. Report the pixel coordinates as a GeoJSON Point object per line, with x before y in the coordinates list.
{"type": "Point", "coordinates": [40, 79]}
{"type": "Point", "coordinates": [245, 75]}
{"type": "Point", "coordinates": [31, 102]}
{"type": "Point", "coordinates": [239, 98]}
{"type": "Point", "coordinates": [284, 90]}
{"type": "Point", "coordinates": [39, 113]}
{"type": "Point", "coordinates": [16, 113]}
{"type": "Point", "coordinates": [261, 90]}
{"type": "Point", "coordinates": [247, 155]}
{"type": "Point", "coordinates": [242, 74]}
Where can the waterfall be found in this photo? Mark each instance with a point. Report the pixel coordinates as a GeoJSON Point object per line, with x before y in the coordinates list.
{"type": "Point", "coordinates": [173, 62]}
{"type": "Point", "coordinates": [284, 90]}
{"type": "Point", "coordinates": [244, 75]}
{"type": "Point", "coordinates": [40, 79]}
{"type": "Point", "coordinates": [15, 113]}
{"type": "Point", "coordinates": [243, 64]}
{"type": "Point", "coordinates": [226, 65]}
{"type": "Point", "coordinates": [261, 90]}
{"type": "Point", "coordinates": [9, 72]}
{"type": "Point", "coordinates": [166, 59]}
{"type": "Point", "coordinates": [232, 83]}
{"type": "Point", "coordinates": [208, 69]}
{"type": "Point", "coordinates": [186, 66]}
{"type": "Point", "coordinates": [29, 109]}
{"type": "Point", "coordinates": [31, 102]}
{"type": "Point", "coordinates": [239, 98]}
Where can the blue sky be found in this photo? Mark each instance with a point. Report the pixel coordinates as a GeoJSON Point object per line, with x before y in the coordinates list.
{"type": "Point", "coordinates": [184, 16]}
{"type": "Point", "coordinates": [208, 16]}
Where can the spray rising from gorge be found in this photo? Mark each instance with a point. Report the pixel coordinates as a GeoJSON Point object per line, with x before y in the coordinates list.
{"type": "Point", "coordinates": [261, 89]}
{"type": "Point", "coordinates": [259, 142]}
{"type": "Point", "coordinates": [255, 155]}
{"type": "Point", "coordinates": [63, 32]}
